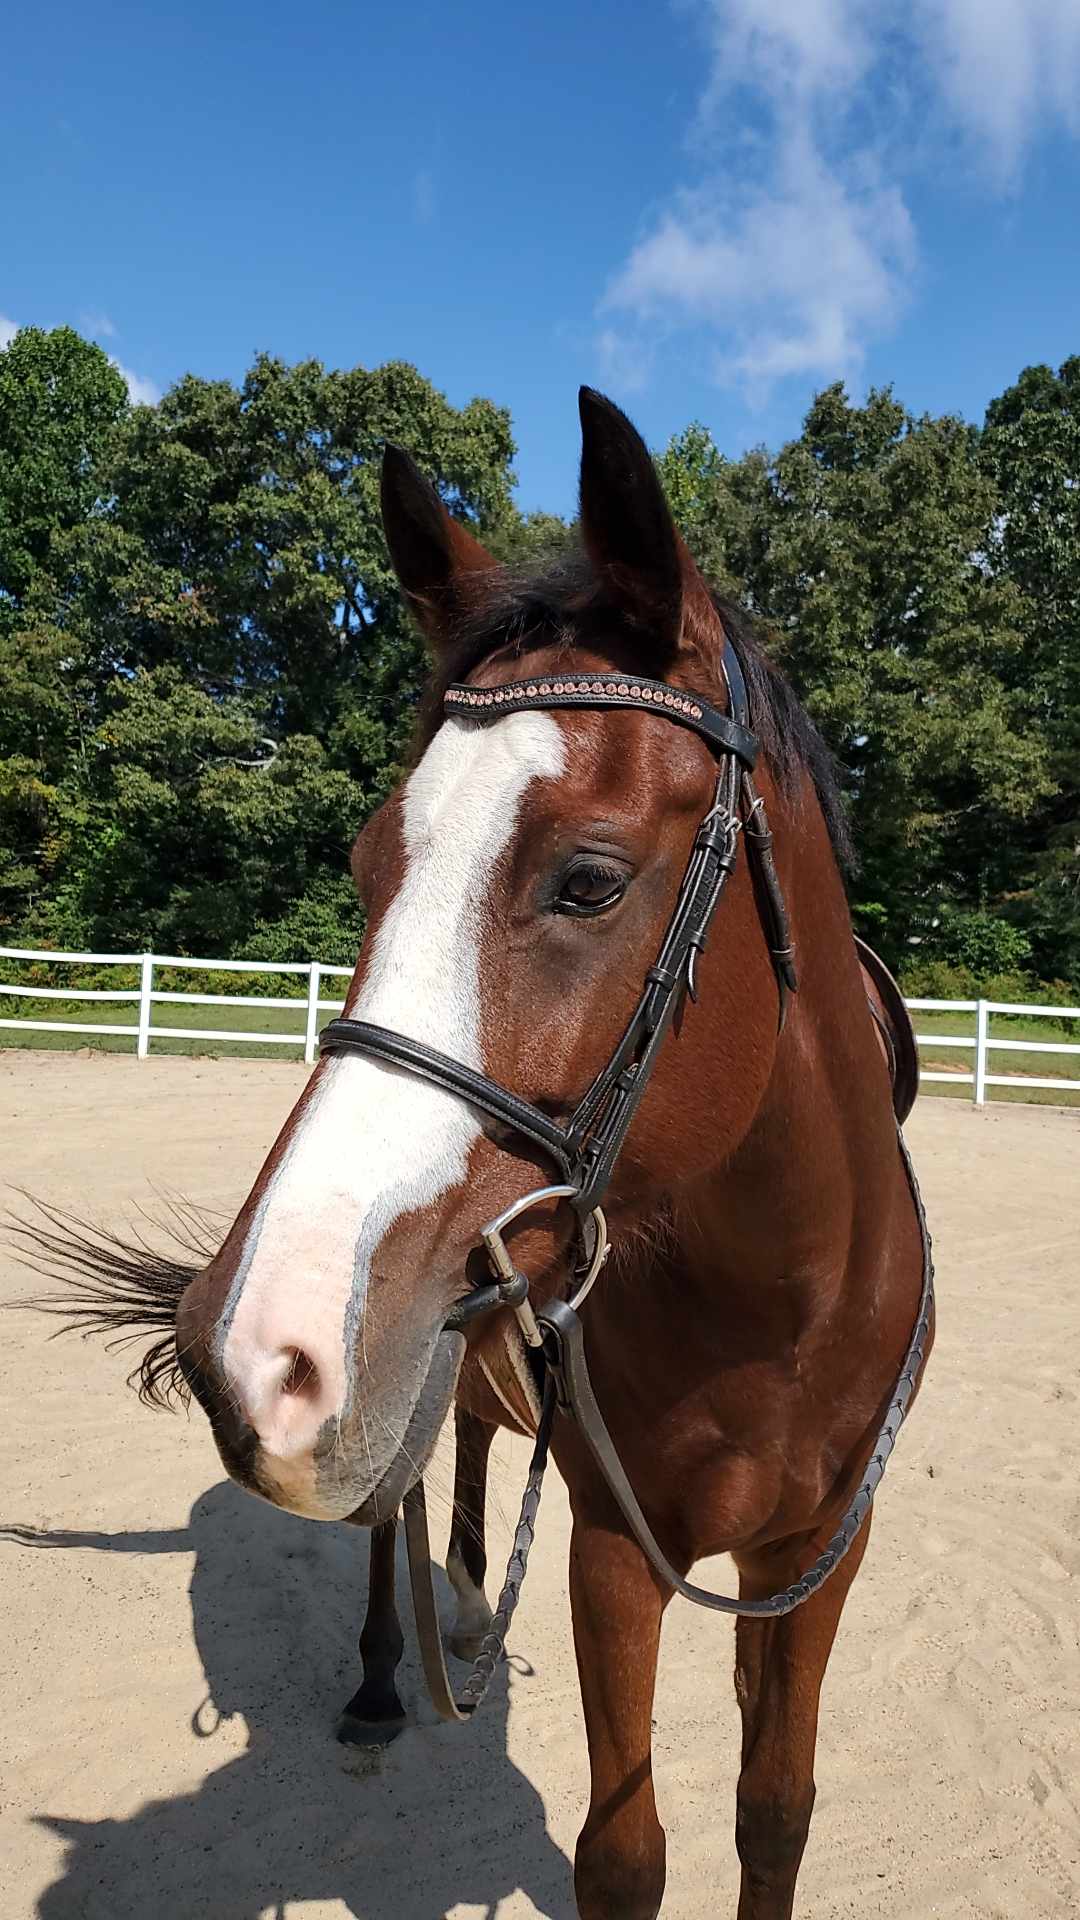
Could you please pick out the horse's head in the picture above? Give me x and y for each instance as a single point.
(517, 886)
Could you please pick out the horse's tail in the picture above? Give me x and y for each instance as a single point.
(121, 1287)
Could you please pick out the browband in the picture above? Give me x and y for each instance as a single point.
(606, 690)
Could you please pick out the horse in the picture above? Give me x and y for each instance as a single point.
(768, 1257)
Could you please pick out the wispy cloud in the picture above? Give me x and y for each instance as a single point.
(785, 277)
(97, 324)
(8, 330)
(142, 392)
(1004, 69)
(626, 358)
(794, 245)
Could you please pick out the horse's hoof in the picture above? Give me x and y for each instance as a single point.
(352, 1731)
(372, 1718)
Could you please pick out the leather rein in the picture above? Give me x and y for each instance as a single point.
(585, 1149)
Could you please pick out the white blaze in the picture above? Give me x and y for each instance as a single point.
(376, 1143)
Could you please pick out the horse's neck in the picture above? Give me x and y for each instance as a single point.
(807, 1195)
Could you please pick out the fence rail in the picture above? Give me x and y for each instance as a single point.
(146, 996)
(983, 1042)
(311, 1003)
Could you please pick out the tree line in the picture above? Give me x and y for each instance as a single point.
(207, 679)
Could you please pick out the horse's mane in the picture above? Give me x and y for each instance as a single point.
(562, 601)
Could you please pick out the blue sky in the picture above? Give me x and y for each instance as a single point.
(708, 209)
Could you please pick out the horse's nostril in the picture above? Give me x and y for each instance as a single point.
(302, 1378)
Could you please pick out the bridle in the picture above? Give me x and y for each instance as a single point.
(584, 1150)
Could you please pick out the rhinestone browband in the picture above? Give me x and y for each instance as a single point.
(599, 690)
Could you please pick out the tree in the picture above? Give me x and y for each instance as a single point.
(60, 399)
(60, 402)
(187, 833)
(864, 546)
(227, 585)
(1031, 447)
(207, 679)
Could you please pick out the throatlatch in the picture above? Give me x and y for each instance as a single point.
(585, 1150)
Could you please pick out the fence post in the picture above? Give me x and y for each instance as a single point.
(982, 1025)
(146, 987)
(312, 1028)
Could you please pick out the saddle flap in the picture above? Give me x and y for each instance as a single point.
(894, 1028)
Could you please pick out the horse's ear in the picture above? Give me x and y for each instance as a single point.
(626, 523)
(437, 561)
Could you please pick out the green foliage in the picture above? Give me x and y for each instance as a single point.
(527, 541)
(1031, 448)
(212, 682)
(59, 401)
(326, 923)
(941, 980)
(185, 836)
(207, 680)
(982, 942)
(929, 979)
(871, 548)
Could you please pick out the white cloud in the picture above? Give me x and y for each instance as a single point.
(790, 46)
(97, 324)
(1004, 68)
(789, 275)
(626, 361)
(794, 246)
(141, 392)
(8, 330)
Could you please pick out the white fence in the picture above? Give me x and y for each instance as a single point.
(148, 997)
(981, 1044)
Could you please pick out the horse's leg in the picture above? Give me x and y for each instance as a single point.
(779, 1668)
(466, 1558)
(375, 1715)
(617, 1604)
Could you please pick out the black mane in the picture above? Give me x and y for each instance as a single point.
(561, 602)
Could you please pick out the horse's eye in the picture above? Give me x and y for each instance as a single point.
(590, 886)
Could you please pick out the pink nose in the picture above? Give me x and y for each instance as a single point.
(284, 1392)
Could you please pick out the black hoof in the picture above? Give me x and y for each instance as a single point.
(354, 1732)
(371, 1722)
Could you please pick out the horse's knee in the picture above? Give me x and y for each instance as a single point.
(770, 1834)
(616, 1880)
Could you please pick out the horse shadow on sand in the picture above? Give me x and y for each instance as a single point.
(440, 1817)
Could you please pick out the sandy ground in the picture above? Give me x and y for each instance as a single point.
(175, 1653)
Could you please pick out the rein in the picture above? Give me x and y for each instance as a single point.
(585, 1150)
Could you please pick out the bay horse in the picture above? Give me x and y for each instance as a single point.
(768, 1256)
